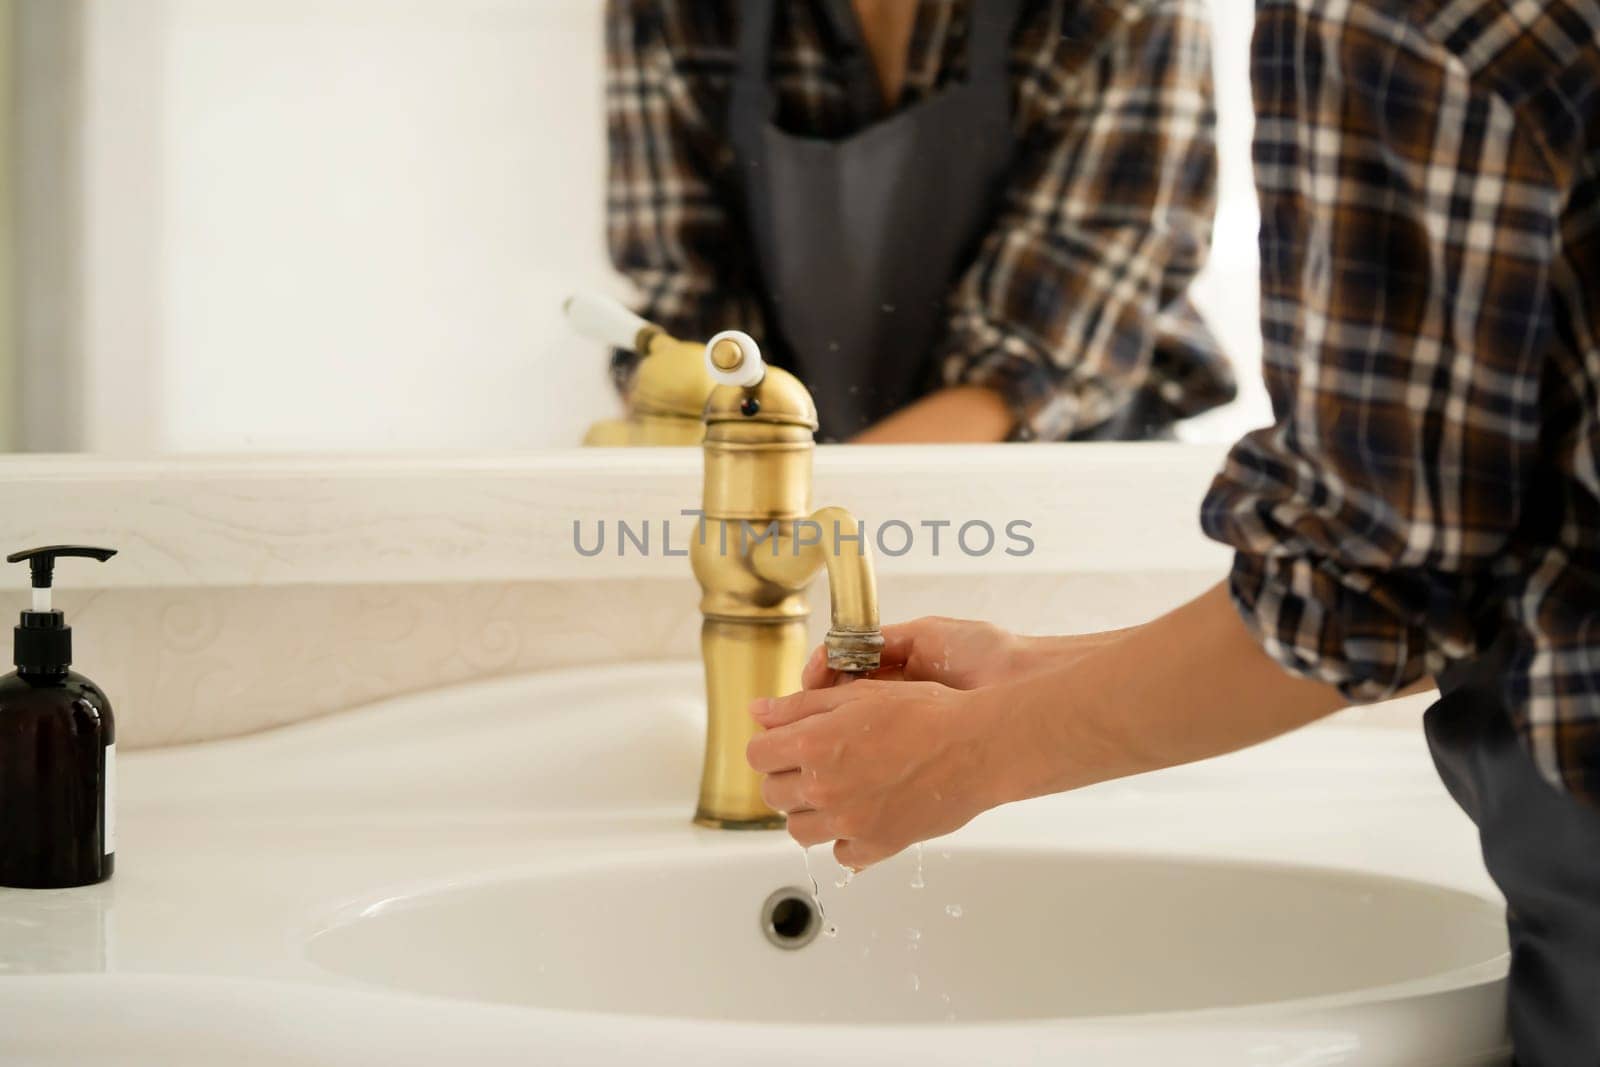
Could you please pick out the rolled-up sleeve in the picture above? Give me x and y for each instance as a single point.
(1408, 233)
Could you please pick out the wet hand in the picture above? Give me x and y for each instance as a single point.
(879, 765)
(958, 653)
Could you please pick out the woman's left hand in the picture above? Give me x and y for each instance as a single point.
(880, 765)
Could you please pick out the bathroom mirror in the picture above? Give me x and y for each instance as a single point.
(298, 225)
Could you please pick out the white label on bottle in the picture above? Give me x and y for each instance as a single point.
(109, 817)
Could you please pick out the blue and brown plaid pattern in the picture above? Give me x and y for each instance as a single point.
(1430, 197)
(1075, 300)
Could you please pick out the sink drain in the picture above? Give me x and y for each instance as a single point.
(789, 919)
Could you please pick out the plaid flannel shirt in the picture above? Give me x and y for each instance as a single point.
(1076, 299)
(1430, 192)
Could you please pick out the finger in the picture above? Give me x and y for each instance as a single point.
(858, 855)
(782, 793)
(910, 646)
(809, 828)
(781, 711)
(817, 674)
(900, 639)
(898, 643)
(773, 752)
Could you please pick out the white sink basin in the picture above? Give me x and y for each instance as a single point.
(506, 873)
(992, 935)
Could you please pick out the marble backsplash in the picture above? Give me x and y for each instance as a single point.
(186, 665)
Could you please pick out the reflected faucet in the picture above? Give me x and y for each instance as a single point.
(670, 383)
(756, 549)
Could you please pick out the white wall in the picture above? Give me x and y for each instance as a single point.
(348, 224)
(1228, 292)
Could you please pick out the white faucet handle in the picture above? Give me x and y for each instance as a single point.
(734, 358)
(600, 318)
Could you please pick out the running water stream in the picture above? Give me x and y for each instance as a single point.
(828, 929)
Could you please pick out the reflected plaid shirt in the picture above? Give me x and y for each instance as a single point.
(1076, 298)
(1430, 191)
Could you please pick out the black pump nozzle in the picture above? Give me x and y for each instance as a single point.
(42, 561)
(43, 640)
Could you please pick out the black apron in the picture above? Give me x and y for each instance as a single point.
(1543, 850)
(858, 241)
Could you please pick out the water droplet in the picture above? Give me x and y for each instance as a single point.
(917, 881)
(846, 879)
(953, 910)
(916, 983)
(830, 931)
(945, 854)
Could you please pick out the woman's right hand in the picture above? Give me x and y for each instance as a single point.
(960, 653)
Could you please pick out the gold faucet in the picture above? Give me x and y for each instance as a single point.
(670, 383)
(757, 547)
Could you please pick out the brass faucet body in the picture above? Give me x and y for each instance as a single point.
(758, 547)
(666, 399)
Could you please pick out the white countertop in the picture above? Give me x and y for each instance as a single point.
(341, 520)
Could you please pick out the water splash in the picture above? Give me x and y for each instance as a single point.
(828, 929)
(844, 882)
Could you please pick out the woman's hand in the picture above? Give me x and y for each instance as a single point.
(879, 765)
(961, 654)
(966, 717)
(912, 751)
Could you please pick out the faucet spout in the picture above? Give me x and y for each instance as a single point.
(833, 539)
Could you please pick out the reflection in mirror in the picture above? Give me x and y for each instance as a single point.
(256, 226)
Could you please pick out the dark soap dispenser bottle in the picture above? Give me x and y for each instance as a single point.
(58, 750)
